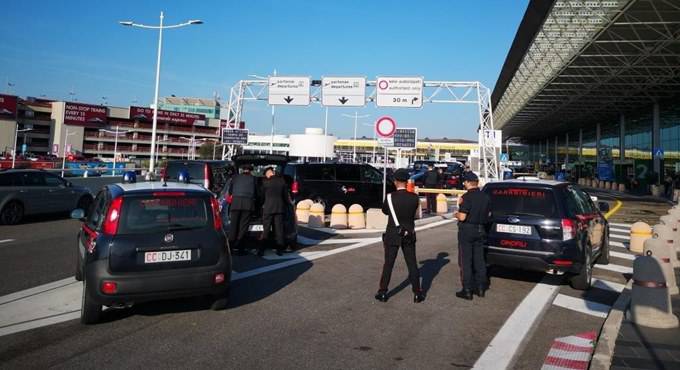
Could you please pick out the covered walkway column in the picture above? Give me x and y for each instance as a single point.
(580, 144)
(656, 140)
(622, 137)
(597, 146)
(556, 154)
(566, 146)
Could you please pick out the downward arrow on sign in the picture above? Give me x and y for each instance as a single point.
(288, 99)
(343, 100)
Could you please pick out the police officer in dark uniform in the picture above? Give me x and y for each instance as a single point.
(243, 190)
(276, 197)
(401, 234)
(473, 217)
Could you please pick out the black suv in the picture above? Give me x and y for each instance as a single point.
(547, 226)
(212, 175)
(333, 183)
(150, 241)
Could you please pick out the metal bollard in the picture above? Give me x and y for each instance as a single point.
(658, 248)
(639, 232)
(339, 217)
(302, 210)
(650, 303)
(316, 216)
(442, 204)
(355, 217)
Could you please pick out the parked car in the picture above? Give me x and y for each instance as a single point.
(260, 162)
(212, 175)
(547, 226)
(149, 241)
(28, 192)
(337, 183)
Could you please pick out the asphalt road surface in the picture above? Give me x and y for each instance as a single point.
(309, 310)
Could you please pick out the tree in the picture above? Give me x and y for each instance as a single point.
(205, 151)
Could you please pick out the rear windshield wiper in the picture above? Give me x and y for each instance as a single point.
(524, 214)
(176, 227)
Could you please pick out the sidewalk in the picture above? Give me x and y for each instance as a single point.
(639, 347)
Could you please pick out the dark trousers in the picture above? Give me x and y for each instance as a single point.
(275, 220)
(471, 259)
(431, 202)
(238, 227)
(408, 248)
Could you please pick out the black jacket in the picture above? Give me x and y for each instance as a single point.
(405, 206)
(431, 179)
(243, 190)
(275, 195)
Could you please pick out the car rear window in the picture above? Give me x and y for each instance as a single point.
(142, 214)
(319, 172)
(522, 201)
(196, 170)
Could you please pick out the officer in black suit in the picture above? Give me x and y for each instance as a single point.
(473, 218)
(431, 182)
(243, 190)
(276, 198)
(404, 206)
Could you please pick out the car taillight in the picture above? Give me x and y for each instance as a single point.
(217, 218)
(568, 229)
(110, 226)
(218, 278)
(563, 262)
(294, 187)
(109, 287)
(206, 176)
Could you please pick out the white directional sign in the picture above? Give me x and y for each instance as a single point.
(405, 92)
(343, 91)
(288, 90)
(493, 138)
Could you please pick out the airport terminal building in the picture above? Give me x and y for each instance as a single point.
(593, 87)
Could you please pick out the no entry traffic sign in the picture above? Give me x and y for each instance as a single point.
(385, 127)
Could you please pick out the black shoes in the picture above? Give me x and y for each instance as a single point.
(480, 292)
(464, 294)
(381, 296)
(418, 297)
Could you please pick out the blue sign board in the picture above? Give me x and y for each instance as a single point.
(605, 171)
(504, 157)
(658, 153)
(24, 148)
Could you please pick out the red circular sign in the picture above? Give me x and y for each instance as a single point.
(385, 126)
(383, 84)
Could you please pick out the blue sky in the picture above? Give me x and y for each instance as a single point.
(53, 47)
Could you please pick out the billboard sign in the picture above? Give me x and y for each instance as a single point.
(8, 106)
(167, 116)
(79, 114)
(405, 138)
(234, 136)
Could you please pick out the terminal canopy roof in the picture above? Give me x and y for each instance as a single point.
(574, 63)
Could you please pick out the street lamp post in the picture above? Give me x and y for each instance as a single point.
(356, 117)
(115, 145)
(16, 136)
(160, 29)
(63, 151)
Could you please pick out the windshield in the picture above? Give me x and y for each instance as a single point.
(153, 214)
(522, 202)
(195, 169)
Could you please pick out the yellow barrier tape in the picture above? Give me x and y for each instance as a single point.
(440, 191)
(640, 233)
(614, 210)
(355, 213)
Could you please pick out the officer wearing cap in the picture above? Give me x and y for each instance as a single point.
(242, 189)
(473, 217)
(400, 207)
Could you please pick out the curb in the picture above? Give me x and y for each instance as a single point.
(606, 342)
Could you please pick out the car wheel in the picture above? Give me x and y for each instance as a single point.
(603, 258)
(90, 312)
(12, 213)
(583, 279)
(84, 203)
(220, 302)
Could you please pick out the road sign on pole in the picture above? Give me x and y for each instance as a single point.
(289, 90)
(404, 92)
(343, 91)
(385, 127)
(234, 136)
(405, 138)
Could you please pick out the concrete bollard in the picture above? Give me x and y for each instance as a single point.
(639, 232)
(656, 190)
(302, 211)
(316, 216)
(667, 234)
(442, 204)
(338, 217)
(676, 195)
(419, 211)
(622, 187)
(355, 217)
(650, 303)
(673, 222)
(658, 249)
(375, 219)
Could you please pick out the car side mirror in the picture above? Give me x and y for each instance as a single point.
(78, 214)
(604, 207)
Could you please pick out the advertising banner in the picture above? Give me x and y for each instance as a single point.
(79, 114)
(8, 106)
(167, 116)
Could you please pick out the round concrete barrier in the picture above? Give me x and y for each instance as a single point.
(639, 232)
(338, 217)
(302, 210)
(442, 204)
(376, 219)
(355, 217)
(676, 195)
(656, 190)
(622, 187)
(650, 303)
(316, 216)
(658, 249)
(667, 235)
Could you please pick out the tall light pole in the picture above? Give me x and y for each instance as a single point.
(115, 144)
(160, 29)
(16, 136)
(63, 151)
(356, 117)
(325, 136)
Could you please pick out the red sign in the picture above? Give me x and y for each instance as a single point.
(78, 114)
(8, 106)
(385, 127)
(167, 116)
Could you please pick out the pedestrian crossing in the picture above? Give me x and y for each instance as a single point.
(608, 277)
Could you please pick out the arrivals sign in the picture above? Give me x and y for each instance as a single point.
(234, 136)
(8, 106)
(288, 90)
(167, 116)
(405, 138)
(405, 92)
(79, 114)
(343, 91)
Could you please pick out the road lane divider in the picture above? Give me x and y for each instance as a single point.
(607, 285)
(615, 268)
(616, 208)
(582, 305)
(6, 241)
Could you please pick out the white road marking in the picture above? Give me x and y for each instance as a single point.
(582, 305)
(626, 256)
(615, 268)
(6, 241)
(608, 285)
(618, 224)
(613, 229)
(618, 244)
(505, 347)
(620, 236)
